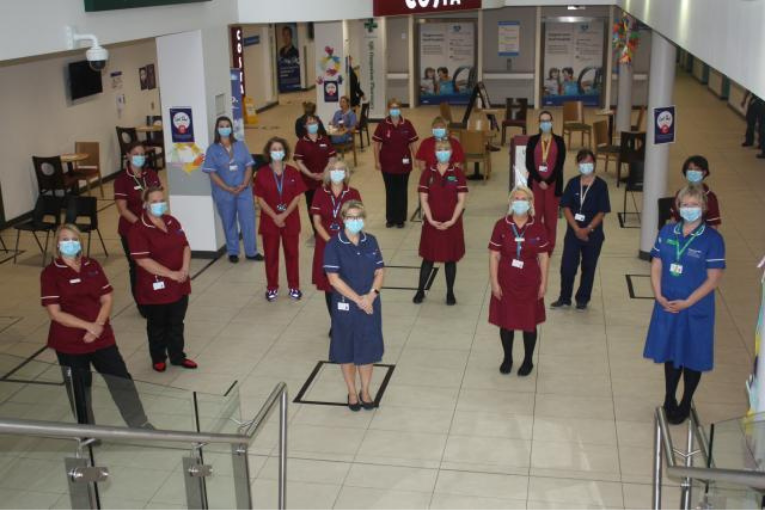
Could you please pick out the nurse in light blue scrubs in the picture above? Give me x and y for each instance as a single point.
(229, 164)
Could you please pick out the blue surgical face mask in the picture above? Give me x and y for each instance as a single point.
(443, 156)
(439, 132)
(312, 128)
(520, 207)
(138, 160)
(586, 168)
(690, 214)
(694, 176)
(546, 126)
(354, 226)
(158, 208)
(337, 176)
(277, 155)
(395, 112)
(224, 131)
(69, 249)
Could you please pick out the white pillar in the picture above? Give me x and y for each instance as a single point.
(330, 35)
(193, 72)
(414, 73)
(624, 99)
(660, 85)
(538, 72)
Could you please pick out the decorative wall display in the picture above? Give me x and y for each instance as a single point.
(396, 7)
(143, 77)
(329, 67)
(109, 5)
(151, 77)
(509, 38)
(331, 94)
(237, 108)
(665, 124)
(447, 61)
(625, 38)
(288, 58)
(573, 62)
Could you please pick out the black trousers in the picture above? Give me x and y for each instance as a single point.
(574, 252)
(109, 363)
(755, 123)
(396, 197)
(164, 327)
(309, 193)
(132, 267)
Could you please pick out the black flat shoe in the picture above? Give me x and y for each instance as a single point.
(354, 407)
(559, 304)
(233, 259)
(401, 225)
(450, 299)
(366, 405)
(419, 297)
(389, 224)
(525, 369)
(257, 257)
(506, 367)
(581, 306)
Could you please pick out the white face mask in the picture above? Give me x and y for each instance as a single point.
(337, 176)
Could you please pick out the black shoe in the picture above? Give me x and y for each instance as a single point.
(450, 299)
(747, 144)
(506, 367)
(354, 407)
(581, 306)
(366, 405)
(761, 156)
(419, 297)
(670, 409)
(526, 368)
(401, 225)
(257, 257)
(233, 259)
(389, 224)
(680, 415)
(560, 304)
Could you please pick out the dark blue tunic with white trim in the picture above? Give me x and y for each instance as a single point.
(686, 338)
(356, 336)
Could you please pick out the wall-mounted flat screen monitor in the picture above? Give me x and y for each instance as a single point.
(83, 81)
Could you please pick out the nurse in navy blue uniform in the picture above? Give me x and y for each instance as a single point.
(354, 265)
(688, 264)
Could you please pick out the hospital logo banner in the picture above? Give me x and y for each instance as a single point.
(398, 7)
(287, 57)
(573, 62)
(447, 62)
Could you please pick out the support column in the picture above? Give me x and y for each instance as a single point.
(413, 71)
(660, 86)
(374, 66)
(330, 36)
(624, 99)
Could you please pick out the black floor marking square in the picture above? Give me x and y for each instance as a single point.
(624, 223)
(318, 371)
(415, 278)
(635, 280)
(8, 255)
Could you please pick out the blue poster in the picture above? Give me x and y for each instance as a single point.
(288, 58)
(181, 125)
(447, 62)
(237, 114)
(664, 125)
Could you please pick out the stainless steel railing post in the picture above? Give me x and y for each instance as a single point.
(657, 461)
(283, 417)
(687, 484)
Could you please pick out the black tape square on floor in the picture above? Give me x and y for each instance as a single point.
(318, 369)
(629, 220)
(636, 284)
(415, 277)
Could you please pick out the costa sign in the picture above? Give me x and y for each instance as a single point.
(396, 7)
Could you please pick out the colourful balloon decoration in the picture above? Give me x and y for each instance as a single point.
(625, 38)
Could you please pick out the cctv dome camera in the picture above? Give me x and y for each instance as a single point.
(97, 57)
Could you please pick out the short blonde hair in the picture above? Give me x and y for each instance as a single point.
(692, 191)
(393, 101)
(71, 227)
(353, 204)
(444, 144)
(337, 165)
(529, 195)
(439, 121)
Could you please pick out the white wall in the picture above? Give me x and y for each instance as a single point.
(38, 119)
(286, 11)
(259, 66)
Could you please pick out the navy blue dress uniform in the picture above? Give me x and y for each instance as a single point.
(687, 338)
(356, 336)
(584, 202)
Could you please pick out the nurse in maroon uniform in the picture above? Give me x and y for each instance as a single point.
(313, 154)
(518, 262)
(325, 213)
(278, 188)
(159, 247)
(442, 194)
(78, 298)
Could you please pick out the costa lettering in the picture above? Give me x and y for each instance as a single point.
(397, 7)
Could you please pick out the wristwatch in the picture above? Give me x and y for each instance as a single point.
(376, 291)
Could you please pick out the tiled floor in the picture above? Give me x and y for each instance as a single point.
(451, 432)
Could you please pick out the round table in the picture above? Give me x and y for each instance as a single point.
(74, 157)
(148, 129)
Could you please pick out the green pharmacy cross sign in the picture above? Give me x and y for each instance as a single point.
(110, 5)
(370, 25)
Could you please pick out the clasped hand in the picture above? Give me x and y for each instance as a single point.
(366, 303)
(675, 306)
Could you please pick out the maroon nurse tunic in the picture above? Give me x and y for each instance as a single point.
(443, 190)
(520, 308)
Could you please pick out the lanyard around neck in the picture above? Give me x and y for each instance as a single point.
(279, 182)
(679, 251)
(519, 238)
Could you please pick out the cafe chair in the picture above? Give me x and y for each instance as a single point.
(638, 126)
(604, 149)
(156, 139)
(128, 135)
(363, 125)
(517, 119)
(51, 177)
(85, 207)
(573, 121)
(349, 146)
(90, 169)
(634, 185)
(631, 149)
(446, 114)
(474, 146)
(665, 210)
(260, 162)
(45, 207)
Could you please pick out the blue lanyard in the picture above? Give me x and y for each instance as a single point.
(518, 244)
(336, 208)
(279, 183)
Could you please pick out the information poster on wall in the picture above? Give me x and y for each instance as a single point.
(573, 62)
(181, 125)
(288, 58)
(237, 113)
(664, 125)
(447, 62)
(509, 38)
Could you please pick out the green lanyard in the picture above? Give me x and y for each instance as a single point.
(679, 251)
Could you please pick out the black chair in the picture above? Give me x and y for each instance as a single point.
(363, 125)
(46, 206)
(156, 139)
(631, 149)
(51, 177)
(634, 185)
(665, 210)
(85, 207)
(128, 135)
(260, 162)
(517, 119)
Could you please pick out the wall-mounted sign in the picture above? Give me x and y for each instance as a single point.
(509, 38)
(396, 7)
(109, 5)
(237, 55)
(181, 125)
(288, 58)
(252, 40)
(664, 125)
(447, 61)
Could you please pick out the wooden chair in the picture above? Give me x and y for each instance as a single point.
(156, 139)
(51, 177)
(603, 147)
(638, 126)
(631, 149)
(363, 125)
(515, 120)
(474, 146)
(349, 146)
(446, 114)
(90, 169)
(573, 121)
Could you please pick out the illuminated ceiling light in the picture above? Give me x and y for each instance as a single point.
(576, 7)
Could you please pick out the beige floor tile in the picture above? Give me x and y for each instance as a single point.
(453, 501)
(564, 492)
(390, 477)
(495, 486)
(575, 459)
(357, 497)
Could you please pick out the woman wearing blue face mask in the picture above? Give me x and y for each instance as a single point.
(78, 298)
(314, 153)
(426, 152)
(585, 203)
(545, 157)
(688, 263)
(519, 257)
(229, 164)
(159, 247)
(354, 265)
(695, 171)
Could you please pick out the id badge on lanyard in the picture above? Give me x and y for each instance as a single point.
(281, 207)
(520, 237)
(676, 268)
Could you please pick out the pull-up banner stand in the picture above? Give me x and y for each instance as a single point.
(398, 7)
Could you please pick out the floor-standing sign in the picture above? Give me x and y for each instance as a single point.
(288, 57)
